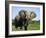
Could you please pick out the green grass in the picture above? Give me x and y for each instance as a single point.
(35, 25)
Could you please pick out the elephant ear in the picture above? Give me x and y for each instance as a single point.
(22, 11)
(17, 17)
(33, 15)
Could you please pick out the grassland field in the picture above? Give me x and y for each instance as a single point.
(35, 25)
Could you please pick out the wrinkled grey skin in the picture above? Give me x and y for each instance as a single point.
(29, 16)
(26, 17)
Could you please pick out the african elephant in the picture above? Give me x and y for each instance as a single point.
(29, 16)
(24, 18)
(20, 19)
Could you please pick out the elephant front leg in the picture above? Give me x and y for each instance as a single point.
(25, 27)
(25, 24)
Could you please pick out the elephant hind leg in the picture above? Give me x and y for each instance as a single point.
(20, 28)
(16, 27)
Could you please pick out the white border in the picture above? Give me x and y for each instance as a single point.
(25, 32)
